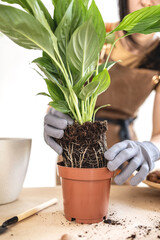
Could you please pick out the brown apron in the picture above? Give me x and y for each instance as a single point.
(128, 90)
(130, 87)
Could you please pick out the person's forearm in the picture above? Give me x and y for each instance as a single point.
(155, 139)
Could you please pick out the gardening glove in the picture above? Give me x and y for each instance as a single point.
(140, 157)
(54, 124)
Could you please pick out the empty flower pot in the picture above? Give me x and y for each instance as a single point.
(85, 193)
(14, 158)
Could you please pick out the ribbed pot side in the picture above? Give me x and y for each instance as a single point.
(85, 193)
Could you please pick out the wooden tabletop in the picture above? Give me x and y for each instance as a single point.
(135, 210)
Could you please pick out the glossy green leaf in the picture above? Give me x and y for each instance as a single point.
(30, 6)
(85, 2)
(63, 31)
(22, 3)
(43, 94)
(60, 9)
(41, 14)
(78, 14)
(25, 30)
(47, 64)
(97, 20)
(104, 81)
(54, 80)
(88, 90)
(60, 106)
(73, 18)
(78, 86)
(54, 91)
(141, 21)
(108, 67)
(43, 68)
(155, 27)
(82, 51)
(54, 2)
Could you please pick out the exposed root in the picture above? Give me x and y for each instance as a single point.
(82, 157)
(84, 145)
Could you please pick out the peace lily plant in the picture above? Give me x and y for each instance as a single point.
(71, 42)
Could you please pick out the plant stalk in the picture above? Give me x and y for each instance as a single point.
(112, 49)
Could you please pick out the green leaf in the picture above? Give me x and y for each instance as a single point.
(41, 14)
(63, 31)
(30, 6)
(108, 67)
(25, 30)
(61, 106)
(47, 64)
(55, 81)
(88, 90)
(155, 27)
(60, 9)
(104, 81)
(54, 2)
(82, 51)
(78, 86)
(85, 2)
(43, 68)
(54, 91)
(145, 20)
(43, 94)
(78, 14)
(98, 23)
(72, 19)
(22, 3)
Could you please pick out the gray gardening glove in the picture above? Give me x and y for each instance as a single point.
(140, 157)
(54, 124)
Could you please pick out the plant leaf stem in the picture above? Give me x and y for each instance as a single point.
(72, 93)
(112, 48)
(97, 65)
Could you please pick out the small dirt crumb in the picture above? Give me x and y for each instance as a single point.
(133, 236)
(112, 222)
(158, 226)
(111, 214)
(12, 234)
(158, 236)
(68, 237)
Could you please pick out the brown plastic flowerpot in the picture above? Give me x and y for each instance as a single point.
(85, 193)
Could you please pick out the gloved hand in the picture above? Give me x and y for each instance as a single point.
(54, 124)
(140, 157)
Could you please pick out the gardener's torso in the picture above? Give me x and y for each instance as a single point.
(130, 86)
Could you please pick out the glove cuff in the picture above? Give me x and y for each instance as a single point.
(151, 153)
(152, 150)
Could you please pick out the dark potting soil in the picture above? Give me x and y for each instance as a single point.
(112, 222)
(84, 145)
(133, 236)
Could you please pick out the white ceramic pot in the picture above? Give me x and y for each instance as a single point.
(14, 159)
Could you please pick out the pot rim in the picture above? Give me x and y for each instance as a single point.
(84, 174)
(14, 139)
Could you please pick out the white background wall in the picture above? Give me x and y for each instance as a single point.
(22, 112)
